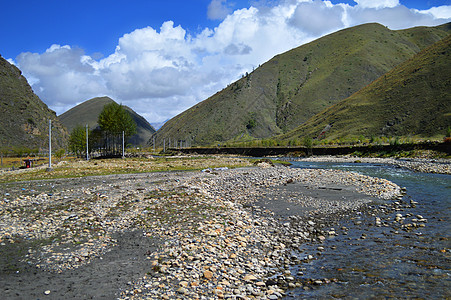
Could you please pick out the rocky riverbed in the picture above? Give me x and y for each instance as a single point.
(194, 235)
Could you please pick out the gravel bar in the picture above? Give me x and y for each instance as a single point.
(216, 234)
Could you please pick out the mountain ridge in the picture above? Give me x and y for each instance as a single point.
(413, 99)
(293, 86)
(24, 117)
(88, 112)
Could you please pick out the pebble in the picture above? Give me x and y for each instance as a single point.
(214, 245)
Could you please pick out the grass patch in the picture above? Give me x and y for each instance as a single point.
(71, 169)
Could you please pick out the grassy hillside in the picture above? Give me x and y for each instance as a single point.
(24, 118)
(84, 113)
(89, 111)
(414, 99)
(292, 87)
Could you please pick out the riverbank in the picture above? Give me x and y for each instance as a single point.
(438, 149)
(218, 233)
(425, 165)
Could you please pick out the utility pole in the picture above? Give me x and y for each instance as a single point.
(87, 151)
(164, 145)
(50, 146)
(154, 143)
(123, 144)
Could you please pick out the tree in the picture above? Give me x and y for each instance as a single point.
(77, 140)
(308, 143)
(113, 120)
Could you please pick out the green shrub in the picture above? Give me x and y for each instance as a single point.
(60, 153)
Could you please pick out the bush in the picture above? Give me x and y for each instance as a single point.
(307, 142)
(251, 124)
(60, 153)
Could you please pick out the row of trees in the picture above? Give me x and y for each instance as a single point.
(114, 121)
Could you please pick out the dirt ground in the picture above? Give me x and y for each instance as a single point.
(103, 278)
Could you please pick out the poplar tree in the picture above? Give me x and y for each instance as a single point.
(77, 140)
(113, 120)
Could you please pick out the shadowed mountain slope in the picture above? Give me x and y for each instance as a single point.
(294, 86)
(414, 99)
(88, 113)
(24, 118)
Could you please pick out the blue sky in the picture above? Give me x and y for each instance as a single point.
(94, 25)
(162, 56)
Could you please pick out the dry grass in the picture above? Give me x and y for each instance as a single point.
(82, 168)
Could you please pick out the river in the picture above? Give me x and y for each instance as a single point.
(379, 262)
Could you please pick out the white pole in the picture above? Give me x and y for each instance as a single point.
(50, 144)
(87, 151)
(123, 144)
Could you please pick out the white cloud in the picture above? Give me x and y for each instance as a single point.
(318, 17)
(160, 73)
(441, 12)
(218, 10)
(377, 3)
(399, 17)
(60, 76)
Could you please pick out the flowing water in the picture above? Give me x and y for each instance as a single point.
(380, 262)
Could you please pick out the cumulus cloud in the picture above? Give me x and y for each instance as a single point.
(441, 12)
(377, 3)
(398, 17)
(61, 76)
(240, 49)
(218, 10)
(161, 72)
(317, 17)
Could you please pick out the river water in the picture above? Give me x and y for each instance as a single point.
(380, 262)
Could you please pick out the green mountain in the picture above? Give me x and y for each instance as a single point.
(413, 99)
(88, 112)
(24, 118)
(294, 86)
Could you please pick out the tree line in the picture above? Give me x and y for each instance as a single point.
(106, 139)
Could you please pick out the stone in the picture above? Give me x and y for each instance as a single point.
(208, 274)
(249, 277)
(196, 251)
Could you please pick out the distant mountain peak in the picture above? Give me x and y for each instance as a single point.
(412, 100)
(289, 89)
(88, 113)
